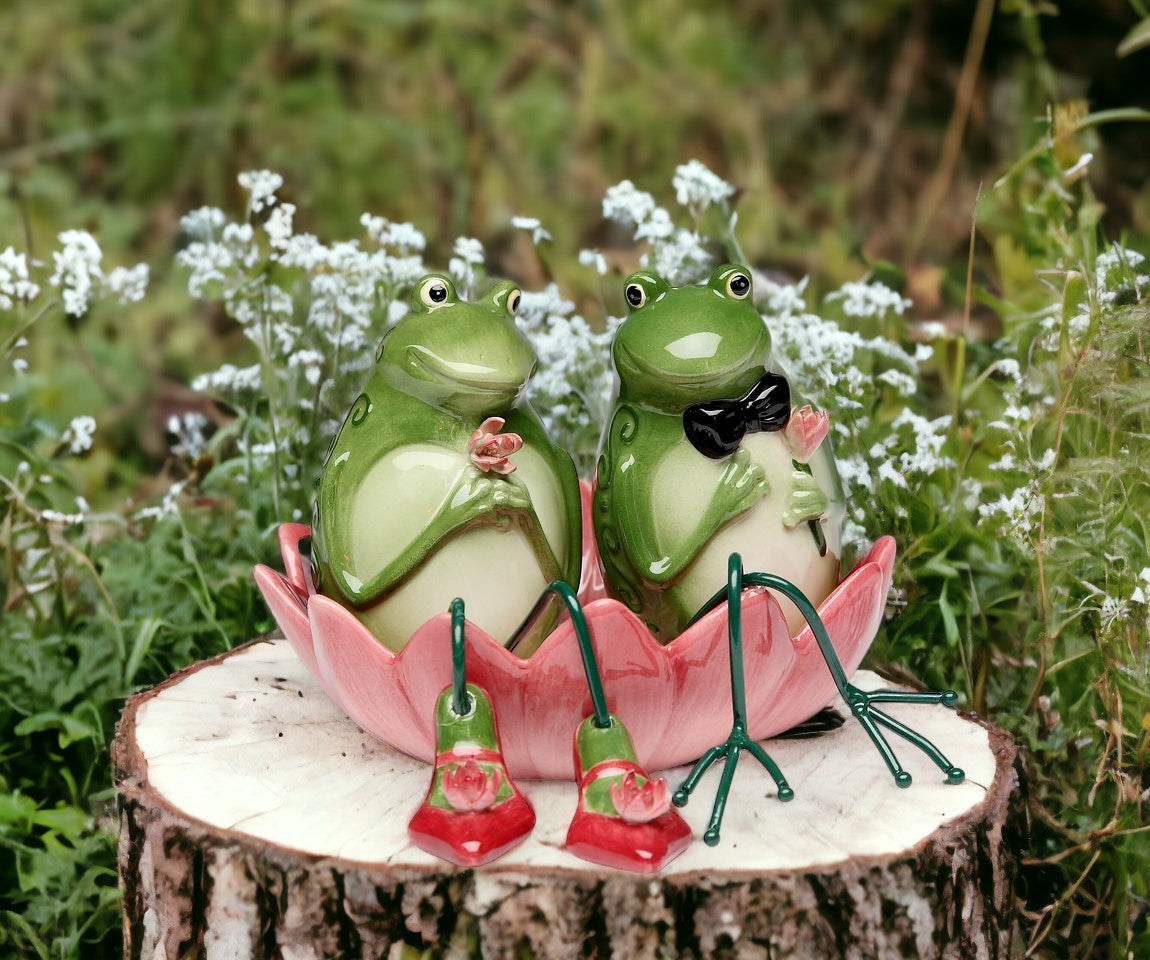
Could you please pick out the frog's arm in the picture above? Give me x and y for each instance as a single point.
(470, 497)
(477, 499)
(525, 422)
(741, 485)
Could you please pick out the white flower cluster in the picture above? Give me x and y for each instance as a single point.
(678, 254)
(80, 276)
(16, 285)
(573, 388)
(697, 187)
(862, 298)
(1017, 513)
(79, 434)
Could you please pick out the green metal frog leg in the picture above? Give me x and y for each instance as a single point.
(739, 739)
(860, 702)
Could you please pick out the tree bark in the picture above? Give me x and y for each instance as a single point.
(258, 821)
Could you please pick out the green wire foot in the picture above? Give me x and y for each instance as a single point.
(736, 743)
(862, 706)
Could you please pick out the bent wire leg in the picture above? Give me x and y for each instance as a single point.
(738, 739)
(860, 702)
(711, 834)
(683, 794)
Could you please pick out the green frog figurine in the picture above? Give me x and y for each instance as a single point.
(442, 482)
(704, 456)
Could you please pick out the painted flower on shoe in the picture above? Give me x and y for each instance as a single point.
(640, 804)
(805, 431)
(490, 449)
(469, 788)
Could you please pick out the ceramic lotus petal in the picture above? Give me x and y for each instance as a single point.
(469, 789)
(640, 804)
(490, 449)
(675, 699)
(806, 429)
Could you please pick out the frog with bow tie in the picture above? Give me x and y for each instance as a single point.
(704, 455)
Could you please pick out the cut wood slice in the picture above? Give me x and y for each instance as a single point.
(258, 821)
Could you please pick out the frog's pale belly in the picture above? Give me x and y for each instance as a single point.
(683, 483)
(493, 568)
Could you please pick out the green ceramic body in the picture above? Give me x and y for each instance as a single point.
(666, 516)
(404, 518)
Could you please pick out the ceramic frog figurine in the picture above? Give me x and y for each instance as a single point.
(442, 482)
(704, 457)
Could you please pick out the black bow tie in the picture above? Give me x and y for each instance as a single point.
(717, 427)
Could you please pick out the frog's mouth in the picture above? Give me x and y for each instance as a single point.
(471, 376)
(709, 379)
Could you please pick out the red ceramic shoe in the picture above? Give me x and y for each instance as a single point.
(624, 818)
(473, 812)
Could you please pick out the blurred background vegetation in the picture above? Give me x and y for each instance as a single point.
(860, 134)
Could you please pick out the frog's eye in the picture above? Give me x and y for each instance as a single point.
(513, 300)
(636, 295)
(739, 285)
(434, 292)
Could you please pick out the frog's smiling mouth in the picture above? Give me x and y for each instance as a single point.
(473, 376)
(707, 379)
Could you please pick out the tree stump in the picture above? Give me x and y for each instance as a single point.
(258, 821)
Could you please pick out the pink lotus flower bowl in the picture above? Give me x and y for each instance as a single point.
(674, 699)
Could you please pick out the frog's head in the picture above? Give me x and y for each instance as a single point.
(465, 356)
(681, 345)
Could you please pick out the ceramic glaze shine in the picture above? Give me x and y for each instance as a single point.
(681, 487)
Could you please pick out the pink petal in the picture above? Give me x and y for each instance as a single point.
(591, 586)
(295, 567)
(290, 612)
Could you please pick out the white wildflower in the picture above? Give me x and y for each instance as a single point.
(168, 506)
(278, 225)
(593, 258)
(538, 234)
(868, 299)
(79, 434)
(469, 250)
(188, 430)
(626, 204)
(697, 187)
(229, 378)
(204, 223)
(261, 186)
(15, 285)
(656, 227)
(77, 270)
(128, 284)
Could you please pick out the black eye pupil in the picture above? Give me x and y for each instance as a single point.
(438, 293)
(515, 303)
(635, 295)
(740, 284)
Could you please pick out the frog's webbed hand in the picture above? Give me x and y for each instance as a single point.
(742, 484)
(859, 701)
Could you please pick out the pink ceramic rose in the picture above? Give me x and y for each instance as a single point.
(490, 449)
(805, 431)
(469, 788)
(640, 804)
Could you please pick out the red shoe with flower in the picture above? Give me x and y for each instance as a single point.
(624, 818)
(473, 812)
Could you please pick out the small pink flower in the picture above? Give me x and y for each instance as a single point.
(805, 431)
(490, 449)
(468, 788)
(636, 804)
